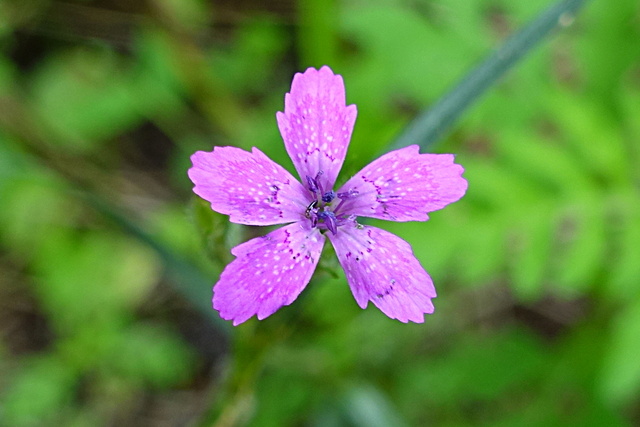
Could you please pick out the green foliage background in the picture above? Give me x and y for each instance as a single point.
(107, 259)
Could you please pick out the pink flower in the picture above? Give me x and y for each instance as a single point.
(271, 271)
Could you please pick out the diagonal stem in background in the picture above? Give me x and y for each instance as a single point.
(436, 121)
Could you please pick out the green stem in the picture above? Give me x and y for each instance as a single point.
(433, 123)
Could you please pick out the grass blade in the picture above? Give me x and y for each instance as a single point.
(433, 123)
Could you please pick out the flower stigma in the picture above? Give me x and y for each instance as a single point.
(324, 211)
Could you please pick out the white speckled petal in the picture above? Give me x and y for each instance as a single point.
(380, 267)
(268, 273)
(316, 124)
(249, 187)
(403, 185)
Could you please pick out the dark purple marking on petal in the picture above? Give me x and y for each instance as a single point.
(269, 272)
(404, 185)
(380, 267)
(348, 194)
(316, 125)
(248, 186)
(329, 220)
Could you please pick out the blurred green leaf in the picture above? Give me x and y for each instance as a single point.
(630, 121)
(592, 136)
(39, 392)
(621, 370)
(143, 353)
(87, 344)
(26, 224)
(188, 278)
(483, 251)
(317, 37)
(497, 188)
(607, 48)
(214, 231)
(246, 66)
(530, 259)
(369, 407)
(283, 399)
(432, 123)
(84, 95)
(548, 166)
(583, 251)
(190, 15)
(7, 75)
(92, 278)
(624, 265)
(155, 82)
(469, 376)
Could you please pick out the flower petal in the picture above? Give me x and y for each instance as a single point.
(268, 273)
(249, 187)
(403, 185)
(380, 267)
(316, 124)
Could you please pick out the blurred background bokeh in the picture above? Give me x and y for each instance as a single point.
(107, 258)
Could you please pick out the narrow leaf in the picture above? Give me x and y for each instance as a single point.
(188, 279)
(368, 406)
(437, 120)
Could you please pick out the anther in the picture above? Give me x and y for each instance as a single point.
(328, 196)
(329, 219)
(312, 184)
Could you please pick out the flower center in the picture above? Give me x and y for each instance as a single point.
(324, 210)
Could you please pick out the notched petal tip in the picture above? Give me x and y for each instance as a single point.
(319, 83)
(249, 187)
(404, 185)
(269, 272)
(381, 268)
(316, 124)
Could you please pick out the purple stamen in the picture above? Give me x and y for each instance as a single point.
(329, 219)
(317, 180)
(348, 194)
(328, 196)
(312, 184)
(319, 211)
(344, 196)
